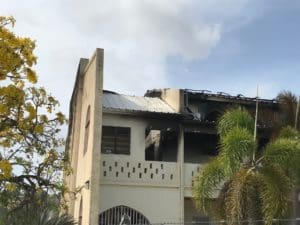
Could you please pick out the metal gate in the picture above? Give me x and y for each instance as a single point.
(122, 215)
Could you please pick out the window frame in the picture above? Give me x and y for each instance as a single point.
(117, 133)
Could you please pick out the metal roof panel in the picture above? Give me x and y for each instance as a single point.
(135, 103)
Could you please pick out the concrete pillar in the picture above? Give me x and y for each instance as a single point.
(97, 131)
(181, 172)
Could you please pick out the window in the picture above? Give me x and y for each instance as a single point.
(115, 140)
(200, 147)
(161, 145)
(87, 129)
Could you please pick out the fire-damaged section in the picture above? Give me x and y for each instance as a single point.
(201, 110)
(161, 145)
(199, 147)
(206, 107)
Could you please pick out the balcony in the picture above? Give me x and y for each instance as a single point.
(120, 171)
(116, 170)
(190, 171)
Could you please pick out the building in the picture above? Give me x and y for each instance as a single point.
(137, 156)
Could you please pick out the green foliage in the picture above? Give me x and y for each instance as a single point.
(235, 118)
(251, 186)
(274, 190)
(236, 144)
(31, 156)
(285, 153)
(241, 197)
(41, 212)
(206, 183)
(289, 132)
(287, 106)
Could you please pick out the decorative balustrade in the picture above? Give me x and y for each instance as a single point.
(190, 171)
(118, 170)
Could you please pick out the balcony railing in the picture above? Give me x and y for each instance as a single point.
(152, 173)
(119, 170)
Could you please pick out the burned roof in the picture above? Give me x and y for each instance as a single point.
(222, 96)
(126, 103)
(206, 95)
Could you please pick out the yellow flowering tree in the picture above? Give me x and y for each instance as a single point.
(31, 155)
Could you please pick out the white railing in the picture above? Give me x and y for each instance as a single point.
(122, 170)
(190, 171)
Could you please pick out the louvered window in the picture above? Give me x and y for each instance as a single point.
(115, 140)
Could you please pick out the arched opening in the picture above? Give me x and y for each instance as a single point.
(80, 213)
(121, 215)
(87, 129)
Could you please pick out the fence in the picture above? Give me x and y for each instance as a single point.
(295, 221)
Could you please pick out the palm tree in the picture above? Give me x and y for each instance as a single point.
(288, 108)
(252, 184)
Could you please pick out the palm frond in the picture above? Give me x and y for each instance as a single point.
(48, 219)
(290, 133)
(259, 189)
(236, 145)
(242, 200)
(235, 118)
(284, 152)
(287, 103)
(39, 213)
(275, 193)
(207, 182)
(233, 200)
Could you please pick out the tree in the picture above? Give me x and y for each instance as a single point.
(253, 184)
(288, 108)
(31, 156)
(44, 212)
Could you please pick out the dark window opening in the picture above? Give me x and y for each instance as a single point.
(262, 142)
(213, 116)
(161, 145)
(115, 140)
(200, 147)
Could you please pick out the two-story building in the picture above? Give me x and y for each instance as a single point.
(135, 156)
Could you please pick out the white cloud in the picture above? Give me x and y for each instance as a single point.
(138, 36)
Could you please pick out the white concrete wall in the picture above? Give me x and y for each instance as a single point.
(190, 212)
(88, 164)
(151, 188)
(174, 98)
(115, 170)
(156, 204)
(142, 185)
(137, 140)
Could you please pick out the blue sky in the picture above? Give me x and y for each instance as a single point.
(265, 51)
(218, 45)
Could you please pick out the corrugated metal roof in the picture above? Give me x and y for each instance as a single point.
(135, 103)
